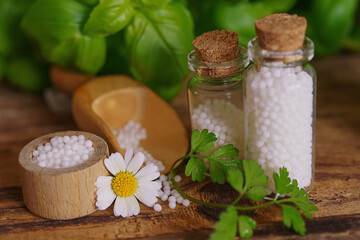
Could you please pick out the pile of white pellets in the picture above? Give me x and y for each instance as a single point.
(279, 117)
(222, 118)
(63, 152)
(130, 135)
(170, 195)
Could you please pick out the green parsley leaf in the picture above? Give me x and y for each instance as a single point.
(257, 193)
(196, 168)
(202, 142)
(301, 199)
(217, 174)
(236, 179)
(225, 228)
(282, 181)
(246, 226)
(221, 161)
(292, 217)
(254, 174)
(298, 196)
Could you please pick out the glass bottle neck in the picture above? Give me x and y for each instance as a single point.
(263, 57)
(221, 71)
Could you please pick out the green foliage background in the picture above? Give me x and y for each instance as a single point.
(148, 39)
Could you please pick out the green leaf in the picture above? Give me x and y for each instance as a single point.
(221, 161)
(196, 168)
(217, 174)
(254, 174)
(301, 199)
(225, 152)
(2, 68)
(225, 228)
(240, 17)
(236, 179)
(202, 142)
(279, 5)
(246, 226)
(90, 2)
(155, 2)
(282, 181)
(332, 22)
(292, 218)
(56, 26)
(157, 42)
(109, 17)
(257, 193)
(27, 73)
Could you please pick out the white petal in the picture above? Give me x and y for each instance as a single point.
(103, 181)
(135, 164)
(149, 172)
(120, 208)
(132, 206)
(128, 156)
(152, 186)
(115, 163)
(105, 199)
(146, 197)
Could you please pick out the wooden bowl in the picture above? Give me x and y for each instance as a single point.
(107, 103)
(62, 193)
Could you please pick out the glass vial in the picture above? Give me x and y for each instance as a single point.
(280, 112)
(215, 96)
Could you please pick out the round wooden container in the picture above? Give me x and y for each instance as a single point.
(63, 193)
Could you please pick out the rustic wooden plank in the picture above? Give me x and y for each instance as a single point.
(24, 116)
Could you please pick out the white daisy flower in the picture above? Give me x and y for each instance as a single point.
(128, 184)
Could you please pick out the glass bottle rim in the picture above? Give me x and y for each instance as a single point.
(298, 56)
(195, 64)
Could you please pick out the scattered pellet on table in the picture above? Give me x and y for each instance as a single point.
(172, 205)
(157, 207)
(177, 178)
(172, 199)
(186, 202)
(63, 152)
(179, 199)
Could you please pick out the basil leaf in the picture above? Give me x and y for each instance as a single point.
(157, 42)
(240, 18)
(109, 17)
(56, 26)
(332, 22)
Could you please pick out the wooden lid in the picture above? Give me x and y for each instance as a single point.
(217, 46)
(281, 32)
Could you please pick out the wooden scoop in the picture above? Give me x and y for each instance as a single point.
(107, 103)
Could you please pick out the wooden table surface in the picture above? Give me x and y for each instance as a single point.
(24, 116)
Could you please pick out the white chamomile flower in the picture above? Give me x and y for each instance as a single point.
(128, 184)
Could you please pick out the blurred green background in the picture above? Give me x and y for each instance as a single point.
(148, 39)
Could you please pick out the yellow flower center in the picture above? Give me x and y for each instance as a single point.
(124, 184)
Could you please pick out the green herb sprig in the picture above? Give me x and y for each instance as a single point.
(248, 179)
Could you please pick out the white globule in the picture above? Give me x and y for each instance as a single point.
(279, 117)
(222, 118)
(130, 135)
(63, 152)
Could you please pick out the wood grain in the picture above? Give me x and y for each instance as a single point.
(24, 117)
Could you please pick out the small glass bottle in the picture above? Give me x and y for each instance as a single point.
(215, 96)
(280, 111)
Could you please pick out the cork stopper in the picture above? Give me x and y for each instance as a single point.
(281, 32)
(217, 47)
